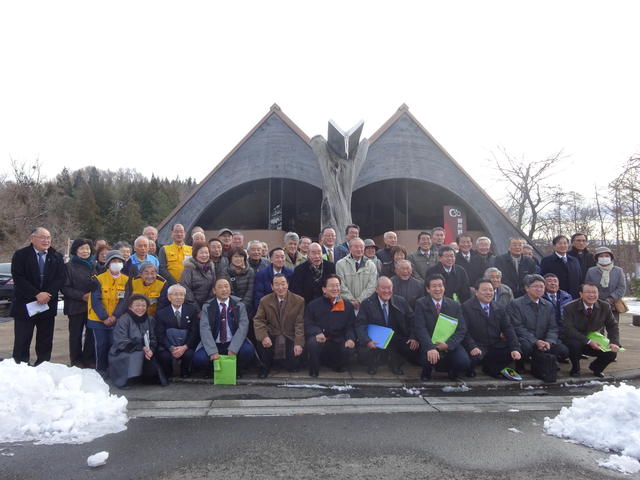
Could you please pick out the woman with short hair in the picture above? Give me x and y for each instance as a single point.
(198, 276)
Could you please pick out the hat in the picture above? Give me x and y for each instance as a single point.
(369, 243)
(225, 230)
(113, 254)
(601, 250)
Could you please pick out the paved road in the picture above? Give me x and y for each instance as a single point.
(406, 445)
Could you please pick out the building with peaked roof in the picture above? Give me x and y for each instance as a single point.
(270, 183)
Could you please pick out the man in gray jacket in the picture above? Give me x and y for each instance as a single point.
(534, 320)
(358, 275)
(223, 329)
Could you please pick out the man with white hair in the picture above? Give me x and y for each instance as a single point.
(390, 241)
(483, 249)
(405, 285)
(141, 254)
(177, 331)
(292, 257)
(256, 260)
(309, 277)
(151, 233)
(357, 274)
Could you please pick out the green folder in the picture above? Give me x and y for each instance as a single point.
(444, 329)
(224, 370)
(601, 340)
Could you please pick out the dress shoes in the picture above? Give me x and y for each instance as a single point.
(396, 369)
(574, 373)
(263, 374)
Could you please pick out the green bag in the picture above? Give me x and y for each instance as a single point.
(224, 370)
(444, 329)
(601, 340)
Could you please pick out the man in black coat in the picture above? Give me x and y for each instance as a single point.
(467, 258)
(456, 278)
(565, 267)
(388, 310)
(177, 331)
(329, 328)
(405, 284)
(38, 273)
(309, 277)
(490, 340)
(449, 356)
(579, 250)
(583, 316)
(515, 266)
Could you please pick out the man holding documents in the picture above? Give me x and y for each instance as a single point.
(38, 273)
(584, 318)
(440, 329)
(490, 340)
(384, 309)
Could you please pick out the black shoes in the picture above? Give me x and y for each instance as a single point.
(372, 370)
(396, 369)
(574, 373)
(313, 373)
(425, 375)
(263, 374)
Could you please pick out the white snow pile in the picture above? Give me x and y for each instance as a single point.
(514, 430)
(621, 463)
(461, 388)
(53, 403)
(339, 388)
(98, 459)
(608, 420)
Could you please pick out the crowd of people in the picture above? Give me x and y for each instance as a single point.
(155, 311)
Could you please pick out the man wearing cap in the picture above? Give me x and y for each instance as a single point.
(38, 273)
(370, 249)
(172, 256)
(225, 236)
(106, 303)
(586, 315)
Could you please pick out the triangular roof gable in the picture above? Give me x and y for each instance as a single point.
(274, 110)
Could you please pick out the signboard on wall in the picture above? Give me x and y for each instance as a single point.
(455, 222)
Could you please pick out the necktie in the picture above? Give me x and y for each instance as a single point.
(437, 308)
(223, 324)
(330, 254)
(486, 309)
(589, 311)
(554, 298)
(177, 314)
(41, 265)
(385, 312)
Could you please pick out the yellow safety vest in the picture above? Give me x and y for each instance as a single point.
(175, 259)
(113, 290)
(152, 292)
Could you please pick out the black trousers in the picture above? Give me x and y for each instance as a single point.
(166, 362)
(577, 348)
(559, 349)
(395, 354)
(492, 359)
(23, 326)
(79, 353)
(332, 353)
(291, 362)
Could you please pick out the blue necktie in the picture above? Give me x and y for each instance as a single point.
(41, 265)
(486, 310)
(385, 312)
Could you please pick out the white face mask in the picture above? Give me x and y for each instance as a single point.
(604, 260)
(115, 267)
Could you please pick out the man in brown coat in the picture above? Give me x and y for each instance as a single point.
(583, 316)
(279, 326)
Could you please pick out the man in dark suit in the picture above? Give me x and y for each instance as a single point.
(279, 327)
(264, 277)
(330, 251)
(38, 273)
(515, 266)
(224, 325)
(490, 340)
(534, 321)
(449, 356)
(329, 323)
(469, 259)
(177, 332)
(308, 277)
(579, 250)
(456, 279)
(388, 310)
(583, 316)
(565, 267)
(558, 298)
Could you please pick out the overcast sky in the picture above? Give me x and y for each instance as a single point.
(172, 87)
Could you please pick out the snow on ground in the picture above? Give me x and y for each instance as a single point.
(53, 403)
(634, 305)
(621, 463)
(339, 388)
(607, 420)
(461, 388)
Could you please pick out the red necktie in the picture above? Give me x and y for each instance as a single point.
(437, 308)
(589, 311)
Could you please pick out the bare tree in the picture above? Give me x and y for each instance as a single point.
(528, 190)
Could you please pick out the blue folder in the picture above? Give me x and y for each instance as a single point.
(381, 335)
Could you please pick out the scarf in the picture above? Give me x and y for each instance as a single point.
(138, 319)
(337, 304)
(605, 269)
(87, 262)
(316, 272)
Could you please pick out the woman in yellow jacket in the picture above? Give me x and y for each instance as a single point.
(106, 304)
